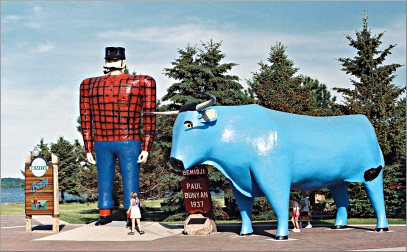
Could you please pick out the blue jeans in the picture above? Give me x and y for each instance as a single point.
(127, 153)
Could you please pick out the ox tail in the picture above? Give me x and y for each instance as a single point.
(372, 173)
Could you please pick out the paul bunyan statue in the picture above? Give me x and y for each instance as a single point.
(110, 113)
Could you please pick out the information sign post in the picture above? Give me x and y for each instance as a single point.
(41, 189)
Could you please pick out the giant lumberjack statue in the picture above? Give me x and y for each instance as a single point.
(110, 111)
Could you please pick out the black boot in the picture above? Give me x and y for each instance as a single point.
(103, 220)
(128, 223)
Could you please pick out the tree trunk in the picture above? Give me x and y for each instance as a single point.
(63, 196)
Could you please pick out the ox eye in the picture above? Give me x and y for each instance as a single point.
(188, 124)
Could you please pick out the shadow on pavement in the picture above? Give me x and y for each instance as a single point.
(41, 227)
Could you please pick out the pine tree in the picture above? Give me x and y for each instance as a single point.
(214, 78)
(276, 86)
(199, 70)
(323, 102)
(87, 173)
(375, 96)
(185, 70)
(68, 178)
(45, 151)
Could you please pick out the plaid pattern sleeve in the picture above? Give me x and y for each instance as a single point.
(85, 115)
(149, 120)
(111, 106)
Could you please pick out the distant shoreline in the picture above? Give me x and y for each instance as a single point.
(10, 183)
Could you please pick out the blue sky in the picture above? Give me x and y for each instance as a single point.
(48, 48)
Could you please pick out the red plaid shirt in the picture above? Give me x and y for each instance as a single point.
(110, 108)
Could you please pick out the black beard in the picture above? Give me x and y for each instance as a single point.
(110, 69)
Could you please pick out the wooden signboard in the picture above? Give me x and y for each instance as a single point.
(41, 189)
(195, 190)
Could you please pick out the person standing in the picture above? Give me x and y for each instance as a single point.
(305, 210)
(111, 109)
(134, 212)
(295, 215)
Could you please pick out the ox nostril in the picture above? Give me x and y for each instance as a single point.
(176, 164)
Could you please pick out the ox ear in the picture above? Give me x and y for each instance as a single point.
(209, 115)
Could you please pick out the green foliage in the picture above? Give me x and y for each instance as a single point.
(276, 86)
(156, 176)
(174, 203)
(262, 209)
(197, 69)
(359, 205)
(375, 96)
(12, 183)
(323, 103)
(395, 190)
(218, 211)
(45, 151)
(68, 178)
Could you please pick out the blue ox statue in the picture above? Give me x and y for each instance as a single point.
(265, 152)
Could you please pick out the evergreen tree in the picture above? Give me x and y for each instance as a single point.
(88, 183)
(199, 70)
(375, 96)
(68, 178)
(276, 86)
(214, 79)
(323, 102)
(185, 70)
(45, 151)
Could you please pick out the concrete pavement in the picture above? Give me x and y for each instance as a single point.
(115, 231)
(113, 237)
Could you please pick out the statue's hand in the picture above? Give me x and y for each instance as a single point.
(90, 158)
(143, 157)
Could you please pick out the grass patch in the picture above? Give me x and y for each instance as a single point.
(12, 209)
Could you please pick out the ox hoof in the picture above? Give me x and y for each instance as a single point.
(381, 229)
(339, 227)
(246, 234)
(278, 237)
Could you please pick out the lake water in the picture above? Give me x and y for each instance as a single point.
(16, 195)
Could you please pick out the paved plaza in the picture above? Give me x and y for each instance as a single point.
(113, 237)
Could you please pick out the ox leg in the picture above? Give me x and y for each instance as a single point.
(374, 190)
(279, 197)
(276, 187)
(341, 198)
(245, 205)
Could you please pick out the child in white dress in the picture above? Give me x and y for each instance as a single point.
(135, 214)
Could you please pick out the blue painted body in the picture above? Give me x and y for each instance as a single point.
(266, 153)
(127, 152)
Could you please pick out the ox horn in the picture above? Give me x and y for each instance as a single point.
(206, 104)
(198, 107)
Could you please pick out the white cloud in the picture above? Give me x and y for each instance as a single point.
(31, 20)
(32, 24)
(12, 18)
(28, 116)
(42, 48)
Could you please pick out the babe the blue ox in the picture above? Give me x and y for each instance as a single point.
(265, 152)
